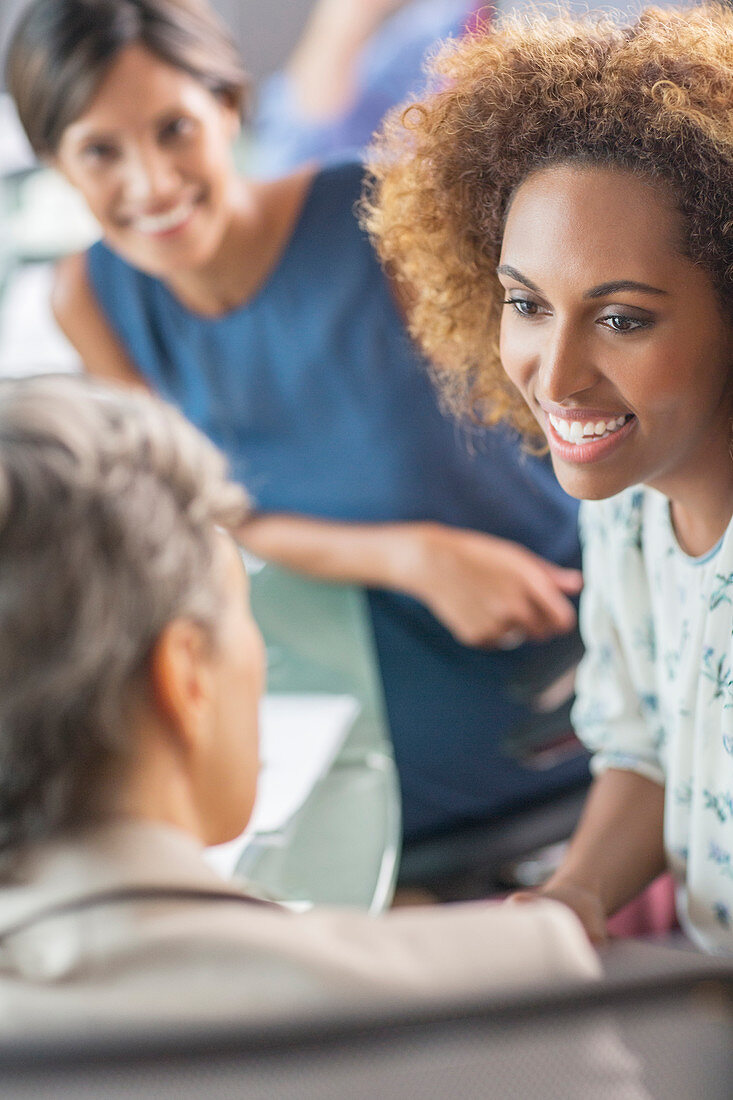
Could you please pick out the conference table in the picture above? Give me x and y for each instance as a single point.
(342, 847)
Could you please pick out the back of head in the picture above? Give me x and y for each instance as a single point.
(108, 506)
(62, 49)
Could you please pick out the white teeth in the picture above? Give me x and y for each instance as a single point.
(163, 223)
(574, 431)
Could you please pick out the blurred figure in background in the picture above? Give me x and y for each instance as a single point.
(354, 60)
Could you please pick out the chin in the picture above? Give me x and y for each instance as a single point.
(593, 491)
(590, 486)
(165, 258)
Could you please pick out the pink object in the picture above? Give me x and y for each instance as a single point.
(651, 913)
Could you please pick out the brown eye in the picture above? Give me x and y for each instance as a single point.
(525, 307)
(99, 151)
(176, 128)
(622, 323)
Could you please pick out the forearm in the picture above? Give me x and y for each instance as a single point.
(323, 66)
(378, 555)
(618, 847)
(480, 587)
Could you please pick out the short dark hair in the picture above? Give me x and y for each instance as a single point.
(109, 503)
(653, 97)
(61, 50)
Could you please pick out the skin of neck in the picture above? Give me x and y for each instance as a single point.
(158, 786)
(702, 511)
(262, 220)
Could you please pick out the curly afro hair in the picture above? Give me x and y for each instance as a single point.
(654, 97)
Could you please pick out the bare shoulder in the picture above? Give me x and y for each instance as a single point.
(81, 319)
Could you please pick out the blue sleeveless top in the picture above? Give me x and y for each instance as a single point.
(316, 395)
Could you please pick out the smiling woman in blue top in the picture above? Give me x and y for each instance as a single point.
(260, 309)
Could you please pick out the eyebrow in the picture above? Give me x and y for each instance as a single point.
(600, 291)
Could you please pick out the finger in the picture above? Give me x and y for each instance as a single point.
(569, 581)
(556, 614)
(521, 897)
(541, 613)
(525, 620)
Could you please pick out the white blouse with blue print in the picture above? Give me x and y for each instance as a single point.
(655, 689)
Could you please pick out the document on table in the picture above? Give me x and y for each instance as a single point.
(300, 737)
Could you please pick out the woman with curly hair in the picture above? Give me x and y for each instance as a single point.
(561, 207)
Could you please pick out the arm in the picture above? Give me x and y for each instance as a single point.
(617, 850)
(80, 318)
(618, 847)
(481, 588)
(322, 68)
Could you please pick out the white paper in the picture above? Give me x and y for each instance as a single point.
(300, 737)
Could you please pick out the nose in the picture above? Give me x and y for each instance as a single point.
(566, 366)
(150, 176)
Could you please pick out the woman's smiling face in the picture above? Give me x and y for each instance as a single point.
(152, 157)
(617, 341)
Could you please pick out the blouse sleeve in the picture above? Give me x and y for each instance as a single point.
(616, 708)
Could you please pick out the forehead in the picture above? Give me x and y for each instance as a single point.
(592, 222)
(139, 85)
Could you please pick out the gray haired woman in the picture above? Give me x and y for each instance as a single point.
(130, 677)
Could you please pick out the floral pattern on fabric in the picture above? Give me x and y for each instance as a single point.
(655, 689)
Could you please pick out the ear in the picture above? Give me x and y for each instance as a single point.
(181, 680)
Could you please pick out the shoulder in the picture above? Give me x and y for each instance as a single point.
(337, 186)
(618, 520)
(70, 288)
(73, 301)
(80, 317)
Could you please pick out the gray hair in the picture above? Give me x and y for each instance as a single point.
(109, 502)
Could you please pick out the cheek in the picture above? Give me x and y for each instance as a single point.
(253, 660)
(96, 195)
(513, 356)
(214, 158)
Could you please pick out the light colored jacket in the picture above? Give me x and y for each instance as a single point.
(197, 945)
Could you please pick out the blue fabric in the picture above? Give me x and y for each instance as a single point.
(391, 68)
(316, 395)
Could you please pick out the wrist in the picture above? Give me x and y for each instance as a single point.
(406, 554)
(566, 883)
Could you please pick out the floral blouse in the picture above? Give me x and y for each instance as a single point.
(655, 689)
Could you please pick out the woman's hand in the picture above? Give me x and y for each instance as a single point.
(488, 591)
(616, 850)
(585, 904)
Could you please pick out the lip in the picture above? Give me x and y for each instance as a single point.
(133, 221)
(582, 454)
(580, 414)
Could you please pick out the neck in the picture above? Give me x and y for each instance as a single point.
(262, 220)
(157, 788)
(702, 512)
(699, 486)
